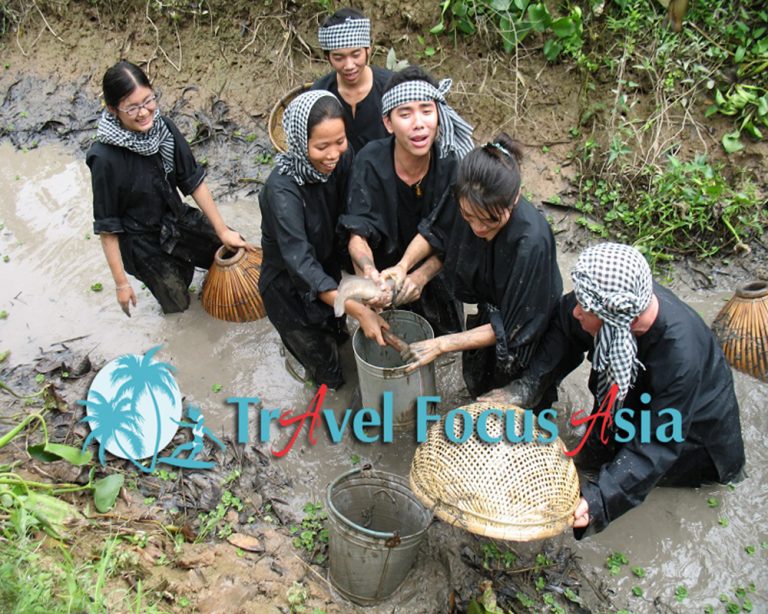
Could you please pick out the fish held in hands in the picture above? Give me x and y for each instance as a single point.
(359, 289)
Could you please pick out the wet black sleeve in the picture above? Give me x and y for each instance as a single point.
(106, 189)
(438, 227)
(532, 286)
(672, 379)
(189, 174)
(284, 209)
(367, 209)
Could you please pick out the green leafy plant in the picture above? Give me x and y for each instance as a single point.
(312, 535)
(97, 286)
(615, 561)
(211, 521)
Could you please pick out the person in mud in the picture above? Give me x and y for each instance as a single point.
(300, 206)
(398, 181)
(649, 352)
(345, 37)
(498, 252)
(138, 164)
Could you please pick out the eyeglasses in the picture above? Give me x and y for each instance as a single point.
(150, 104)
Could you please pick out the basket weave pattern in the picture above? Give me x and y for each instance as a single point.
(513, 491)
(742, 329)
(231, 288)
(275, 123)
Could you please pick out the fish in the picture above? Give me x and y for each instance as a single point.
(359, 289)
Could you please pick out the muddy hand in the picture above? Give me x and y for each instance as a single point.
(397, 343)
(233, 240)
(397, 275)
(126, 297)
(422, 353)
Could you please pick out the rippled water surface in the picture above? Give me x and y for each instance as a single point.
(53, 260)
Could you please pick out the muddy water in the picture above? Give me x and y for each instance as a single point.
(46, 290)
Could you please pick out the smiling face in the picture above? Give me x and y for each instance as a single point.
(588, 320)
(142, 120)
(414, 125)
(349, 64)
(484, 224)
(327, 143)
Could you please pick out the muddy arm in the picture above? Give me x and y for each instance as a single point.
(362, 257)
(125, 294)
(230, 238)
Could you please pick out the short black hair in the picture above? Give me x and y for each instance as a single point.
(341, 16)
(410, 73)
(489, 176)
(120, 80)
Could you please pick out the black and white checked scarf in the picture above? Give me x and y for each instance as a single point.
(159, 138)
(350, 34)
(454, 133)
(614, 282)
(295, 162)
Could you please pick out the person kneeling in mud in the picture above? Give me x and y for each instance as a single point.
(499, 252)
(651, 353)
(139, 162)
(398, 181)
(300, 206)
(345, 37)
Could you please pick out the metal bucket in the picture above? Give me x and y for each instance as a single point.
(381, 369)
(375, 527)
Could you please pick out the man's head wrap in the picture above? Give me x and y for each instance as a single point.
(295, 162)
(614, 282)
(352, 33)
(454, 134)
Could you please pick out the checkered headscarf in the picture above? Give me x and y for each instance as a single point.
(454, 134)
(159, 138)
(350, 34)
(614, 282)
(295, 162)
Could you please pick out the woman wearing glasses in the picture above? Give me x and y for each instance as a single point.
(138, 164)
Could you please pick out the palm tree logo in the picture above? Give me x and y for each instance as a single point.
(133, 408)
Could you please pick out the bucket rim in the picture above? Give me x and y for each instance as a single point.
(369, 532)
(395, 370)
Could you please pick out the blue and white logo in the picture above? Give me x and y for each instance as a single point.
(134, 410)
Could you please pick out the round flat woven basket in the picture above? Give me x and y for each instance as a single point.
(231, 288)
(276, 134)
(512, 491)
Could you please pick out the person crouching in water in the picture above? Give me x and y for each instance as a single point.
(650, 352)
(498, 252)
(138, 164)
(301, 268)
(398, 181)
(345, 37)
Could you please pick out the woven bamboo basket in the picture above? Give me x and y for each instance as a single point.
(741, 327)
(511, 491)
(231, 288)
(276, 134)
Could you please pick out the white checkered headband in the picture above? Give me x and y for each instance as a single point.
(614, 282)
(352, 33)
(454, 134)
(295, 162)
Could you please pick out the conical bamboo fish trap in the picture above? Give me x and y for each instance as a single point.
(231, 288)
(276, 134)
(513, 491)
(742, 329)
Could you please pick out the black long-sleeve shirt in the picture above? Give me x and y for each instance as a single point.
(516, 272)
(298, 235)
(684, 369)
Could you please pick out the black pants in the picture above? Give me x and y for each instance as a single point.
(165, 261)
(309, 331)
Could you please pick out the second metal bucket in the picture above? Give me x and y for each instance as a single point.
(375, 527)
(381, 369)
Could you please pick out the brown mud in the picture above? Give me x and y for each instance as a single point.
(220, 76)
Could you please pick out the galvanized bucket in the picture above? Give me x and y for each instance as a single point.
(375, 527)
(381, 369)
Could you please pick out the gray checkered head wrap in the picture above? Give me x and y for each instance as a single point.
(614, 282)
(454, 134)
(158, 138)
(295, 162)
(350, 34)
